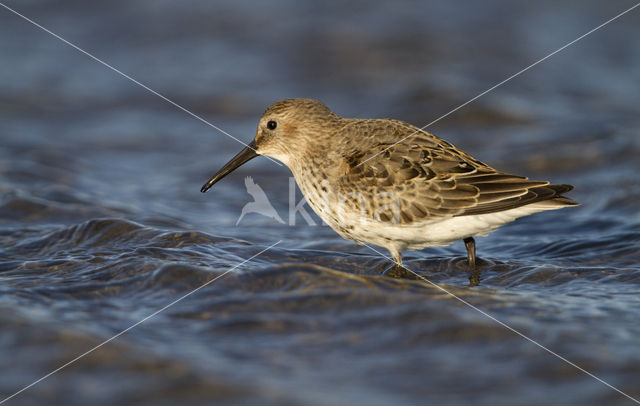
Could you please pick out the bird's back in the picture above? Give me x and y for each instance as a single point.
(392, 172)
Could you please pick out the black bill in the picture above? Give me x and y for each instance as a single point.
(245, 155)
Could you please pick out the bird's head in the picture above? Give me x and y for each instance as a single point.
(286, 130)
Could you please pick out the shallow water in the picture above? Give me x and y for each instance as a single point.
(102, 222)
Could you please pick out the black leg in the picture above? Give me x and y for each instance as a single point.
(470, 245)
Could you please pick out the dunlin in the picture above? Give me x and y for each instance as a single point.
(389, 183)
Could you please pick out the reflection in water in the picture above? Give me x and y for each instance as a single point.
(102, 222)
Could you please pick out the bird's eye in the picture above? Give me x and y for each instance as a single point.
(272, 125)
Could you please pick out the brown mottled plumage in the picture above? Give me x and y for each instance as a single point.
(389, 183)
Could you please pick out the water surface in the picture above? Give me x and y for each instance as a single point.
(102, 222)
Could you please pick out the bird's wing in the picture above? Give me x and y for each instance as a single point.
(425, 178)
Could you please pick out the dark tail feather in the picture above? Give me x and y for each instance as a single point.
(550, 194)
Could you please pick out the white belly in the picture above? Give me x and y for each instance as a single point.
(432, 233)
(399, 237)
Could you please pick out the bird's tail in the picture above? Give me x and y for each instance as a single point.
(550, 197)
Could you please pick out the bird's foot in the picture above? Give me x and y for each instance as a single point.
(474, 278)
(399, 272)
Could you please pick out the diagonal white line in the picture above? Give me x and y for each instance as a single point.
(503, 324)
(129, 77)
(138, 323)
(503, 82)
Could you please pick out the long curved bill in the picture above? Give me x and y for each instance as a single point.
(247, 154)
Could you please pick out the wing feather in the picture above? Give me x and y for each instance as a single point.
(425, 178)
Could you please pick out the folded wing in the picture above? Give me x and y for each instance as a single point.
(425, 178)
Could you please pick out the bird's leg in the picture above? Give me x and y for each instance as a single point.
(397, 257)
(470, 245)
